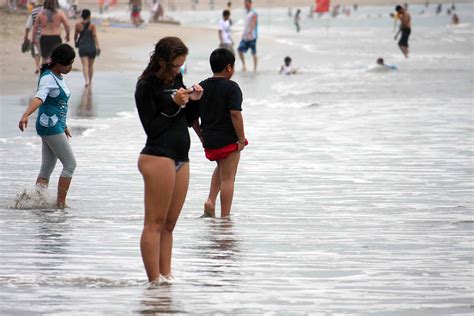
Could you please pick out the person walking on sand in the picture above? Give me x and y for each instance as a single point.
(85, 37)
(224, 32)
(165, 109)
(136, 8)
(222, 129)
(249, 36)
(49, 21)
(405, 29)
(51, 98)
(35, 52)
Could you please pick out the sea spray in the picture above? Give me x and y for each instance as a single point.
(37, 197)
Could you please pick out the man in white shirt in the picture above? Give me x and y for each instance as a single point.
(249, 36)
(224, 32)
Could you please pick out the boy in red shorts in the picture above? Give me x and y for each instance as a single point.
(221, 129)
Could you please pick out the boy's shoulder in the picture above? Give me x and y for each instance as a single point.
(220, 81)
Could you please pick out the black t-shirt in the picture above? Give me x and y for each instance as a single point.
(220, 96)
(166, 136)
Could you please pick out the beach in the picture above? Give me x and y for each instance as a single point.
(353, 197)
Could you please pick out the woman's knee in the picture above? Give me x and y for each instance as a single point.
(155, 224)
(69, 167)
(170, 225)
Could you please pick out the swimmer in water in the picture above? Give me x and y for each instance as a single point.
(286, 68)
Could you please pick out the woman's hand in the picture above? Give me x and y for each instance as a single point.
(23, 122)
(181, 97)
(196, 93)
(67, 132)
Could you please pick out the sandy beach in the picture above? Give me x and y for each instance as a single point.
(16, 78)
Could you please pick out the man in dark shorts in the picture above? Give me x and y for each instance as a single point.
(405, 29)
(49, 21)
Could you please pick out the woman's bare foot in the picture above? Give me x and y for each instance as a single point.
(209, 209)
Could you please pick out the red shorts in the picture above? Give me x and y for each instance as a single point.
(223, 152)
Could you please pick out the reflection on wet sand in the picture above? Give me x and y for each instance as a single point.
(223, 243)
(53, 227)
(221, 248)
(158, 301)
(86, 108)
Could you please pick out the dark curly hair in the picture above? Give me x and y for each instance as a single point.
(167, 49)
(63, 55)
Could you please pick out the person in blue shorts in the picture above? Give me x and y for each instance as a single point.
(249, 36)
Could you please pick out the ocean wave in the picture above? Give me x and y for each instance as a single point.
(82, 281)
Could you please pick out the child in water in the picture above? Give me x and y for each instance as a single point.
(286, 68)
(381, 65)
(222, 129)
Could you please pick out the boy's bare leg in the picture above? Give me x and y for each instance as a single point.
(254, 62)
(228, 170)
(210, 204)
(242, 59)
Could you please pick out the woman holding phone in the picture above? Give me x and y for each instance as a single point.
(166, 111)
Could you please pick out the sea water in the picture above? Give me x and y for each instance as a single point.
(354, 196)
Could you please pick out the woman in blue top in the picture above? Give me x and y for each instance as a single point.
(51, 99)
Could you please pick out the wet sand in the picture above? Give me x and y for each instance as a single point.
(17, 69)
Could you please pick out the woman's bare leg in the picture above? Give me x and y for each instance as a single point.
(85, 69)
(159, 177)
(63, 187)
(179, 195)
(91, 68)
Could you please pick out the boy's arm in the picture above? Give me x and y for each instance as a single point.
(197, 129)
(238, 122)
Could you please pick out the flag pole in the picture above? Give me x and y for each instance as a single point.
(327, 26)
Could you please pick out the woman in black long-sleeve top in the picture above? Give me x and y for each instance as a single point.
(165, 113)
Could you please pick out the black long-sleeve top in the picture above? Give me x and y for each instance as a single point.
(166, 136)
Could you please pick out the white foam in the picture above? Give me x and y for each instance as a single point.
(37, 197)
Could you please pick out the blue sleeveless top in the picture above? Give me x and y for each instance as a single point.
(52, 113)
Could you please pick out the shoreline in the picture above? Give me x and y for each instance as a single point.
(17, 69)
(113, 42)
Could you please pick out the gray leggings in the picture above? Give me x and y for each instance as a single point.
(54, 147)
